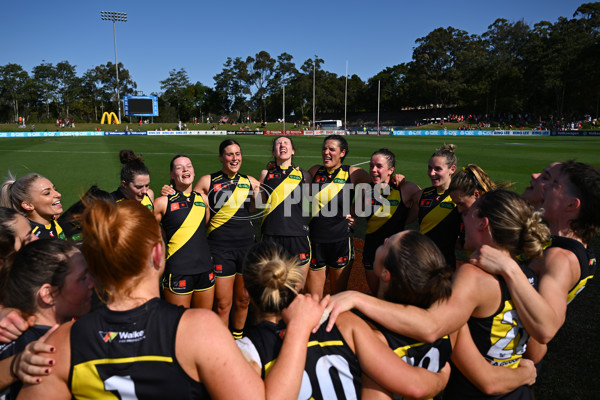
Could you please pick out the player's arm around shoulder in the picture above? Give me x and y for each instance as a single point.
(203, 185)
(54, 386)
(359, 175)
(160, 207)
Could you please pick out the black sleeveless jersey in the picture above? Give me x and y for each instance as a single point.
(387, 214)
(284, 215)
(184, 223)
(118, 196)
(440, 220)
(130, 353)
(332, 370)
(501, 339)
(331, 202)
(15, 347)
(51, 231)
(229, 200)
(586, 258)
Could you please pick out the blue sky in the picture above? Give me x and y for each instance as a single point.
(199, 35)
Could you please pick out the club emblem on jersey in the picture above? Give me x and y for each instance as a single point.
(107, 336)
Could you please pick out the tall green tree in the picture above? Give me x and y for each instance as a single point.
(108, 78)
(178, 93)
(435, 69)
(14, 80)
(67, 85)
(45, 79)
(506, 45)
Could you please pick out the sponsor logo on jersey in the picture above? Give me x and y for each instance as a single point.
(122, 337)
(174, 206)
(107, 336)
(303, 256)
(296, 177)
(339, 180)
(425, 203)
(219, 267)
(243, 186)
(319, 179)
(217, 187)
(447, 205)
(199, 204)
(393, 203)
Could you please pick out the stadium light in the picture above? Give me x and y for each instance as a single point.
(115, 16)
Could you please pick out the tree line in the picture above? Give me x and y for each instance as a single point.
(550, 69)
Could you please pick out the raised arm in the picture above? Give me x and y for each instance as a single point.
(542, 311)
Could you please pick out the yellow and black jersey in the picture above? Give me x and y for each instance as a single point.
(50, 231)
(129, 354)
(387, 216)
(501, 339)
(283, 214)
(586, 258)
(330, 205)
(184, 223)
(332, 370)
(229, 199)
(118, 196)
(440, 220)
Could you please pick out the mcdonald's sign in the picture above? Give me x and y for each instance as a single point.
(109, 117)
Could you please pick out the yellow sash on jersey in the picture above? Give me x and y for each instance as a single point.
(147, 202)
(433, 217)
(380, 217)
(282, 191)
(232, 205)
(188, 227)
(329, 191)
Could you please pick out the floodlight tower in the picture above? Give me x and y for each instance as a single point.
(115, 17)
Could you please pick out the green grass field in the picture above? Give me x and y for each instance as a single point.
(73, 164)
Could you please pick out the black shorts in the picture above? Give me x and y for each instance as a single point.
(186, 284)
(228, 262)
(336, 255)
(295, 245)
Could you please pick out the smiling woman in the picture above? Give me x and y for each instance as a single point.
(35, 197)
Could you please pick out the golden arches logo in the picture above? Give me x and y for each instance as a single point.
(109, 117)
